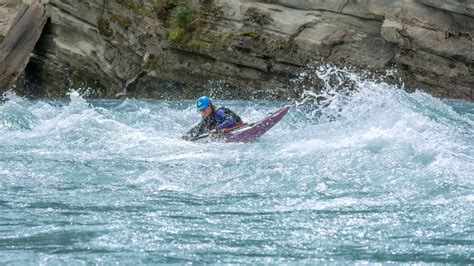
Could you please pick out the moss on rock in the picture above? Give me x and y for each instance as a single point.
(104, 27)
(178, 35)
(419, 72)
(252, 34)
(136, 8)
(183, 16)
(199, 44)
(122, 21)
(183, 22)
(258, 17)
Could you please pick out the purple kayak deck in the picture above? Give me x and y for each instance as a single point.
(252, 132)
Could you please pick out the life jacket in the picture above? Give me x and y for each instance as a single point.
(227, 111)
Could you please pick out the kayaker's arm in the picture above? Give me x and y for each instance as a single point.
(196, 131)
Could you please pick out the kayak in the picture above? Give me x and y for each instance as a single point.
(250, 132)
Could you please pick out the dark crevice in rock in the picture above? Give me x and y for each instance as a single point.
(33, 83)
(289, 64)
(344, 6)
(192, 53)
(301, 29)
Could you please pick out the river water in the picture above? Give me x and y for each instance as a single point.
(372, 175)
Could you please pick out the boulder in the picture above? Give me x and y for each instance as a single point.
(19, 41)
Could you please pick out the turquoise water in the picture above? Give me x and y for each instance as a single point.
(374, 175)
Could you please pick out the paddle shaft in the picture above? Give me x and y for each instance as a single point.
(225, 130)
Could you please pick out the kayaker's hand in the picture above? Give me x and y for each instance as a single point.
(212, 133)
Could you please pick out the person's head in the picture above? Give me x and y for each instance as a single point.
(204, 106)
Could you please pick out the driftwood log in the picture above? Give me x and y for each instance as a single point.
(19, 42)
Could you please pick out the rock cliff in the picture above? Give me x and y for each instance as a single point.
(172, 48)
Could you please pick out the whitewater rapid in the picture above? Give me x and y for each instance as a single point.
(368, 175)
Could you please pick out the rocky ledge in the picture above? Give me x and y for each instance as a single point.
(173, 48)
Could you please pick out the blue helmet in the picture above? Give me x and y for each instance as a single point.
(203, 102)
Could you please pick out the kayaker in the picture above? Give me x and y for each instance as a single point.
(215, 120)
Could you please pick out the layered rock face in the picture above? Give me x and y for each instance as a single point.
(8, 10)
(173, 48)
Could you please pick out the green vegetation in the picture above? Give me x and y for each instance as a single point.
(194, 43)
(123, 22)
(182, 16)
(281, 44)
(183, 22)
(252, 34)
(104, 27)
